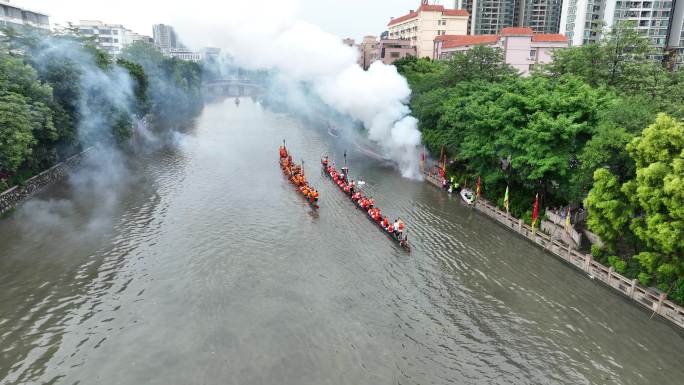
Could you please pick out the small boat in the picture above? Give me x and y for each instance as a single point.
(332, 173)
(295, 175)
(468, 196)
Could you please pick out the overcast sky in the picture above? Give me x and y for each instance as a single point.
(353, 18)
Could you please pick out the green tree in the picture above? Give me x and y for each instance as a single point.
(657, 193)
(422, 74)
(478, 63)
(174, 86)
(609, 213)
(141, 85)
(20, 79)
(657, 189)
(605, 150)
(16, 138)
(64, 76)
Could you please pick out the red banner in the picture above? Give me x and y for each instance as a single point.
(535, 210)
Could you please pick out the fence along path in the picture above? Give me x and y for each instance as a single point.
(648, 298)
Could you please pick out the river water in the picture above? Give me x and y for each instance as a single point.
(201, 265)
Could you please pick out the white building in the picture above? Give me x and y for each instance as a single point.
(427, 22)
(185, 54)
(112, 38)
(584, 21)
(17, 17)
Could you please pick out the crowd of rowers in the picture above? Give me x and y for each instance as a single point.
(367, 204)
(296, 176)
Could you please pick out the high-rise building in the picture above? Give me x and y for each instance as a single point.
(675, 42)
(585, 21)
(165, 37)
(543, 16)
(489, 17)
(427, 22)
(18, 17)
(112, 38)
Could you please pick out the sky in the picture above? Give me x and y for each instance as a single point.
(344, 18)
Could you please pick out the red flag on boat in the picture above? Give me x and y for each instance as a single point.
(535, 210)
(478, 187)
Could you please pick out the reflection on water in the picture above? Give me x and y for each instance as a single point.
(211, 270)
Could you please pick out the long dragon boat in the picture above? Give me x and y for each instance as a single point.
(367, 205)
(295, 174)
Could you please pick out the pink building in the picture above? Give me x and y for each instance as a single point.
(390, 50)
(522, 48)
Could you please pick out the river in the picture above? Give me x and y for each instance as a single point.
(203, 266)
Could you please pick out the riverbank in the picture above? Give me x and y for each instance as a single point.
(11, 198)
(653, 300)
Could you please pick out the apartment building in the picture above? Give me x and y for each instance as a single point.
(17, 17)
(585, 21)
(391, 50)
(112, 38)
(421, 26)
(185, 54)
(543, 16)
(489, 17)
(522, 47)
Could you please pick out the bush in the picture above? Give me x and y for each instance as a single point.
(644, 279)
(617, 263)
(597, 251)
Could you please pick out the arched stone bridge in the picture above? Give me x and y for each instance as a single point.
(231, 88)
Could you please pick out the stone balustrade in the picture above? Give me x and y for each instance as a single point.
(9, 199)
(653, 300)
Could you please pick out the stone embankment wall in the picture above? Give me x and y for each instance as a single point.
(9, 199)
(654, 301)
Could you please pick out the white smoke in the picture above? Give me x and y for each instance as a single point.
(272, 38)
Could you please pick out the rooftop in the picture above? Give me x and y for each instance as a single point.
(517, 31)
(452, 41)
(466, 40)
(550, 37)
(8, 4)
(429, 8)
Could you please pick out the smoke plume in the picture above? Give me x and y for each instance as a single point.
(309, 57)
(103, 175)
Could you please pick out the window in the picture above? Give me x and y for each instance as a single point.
(394, 55)
(533, 54)
(13, 12)
(441, 22)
